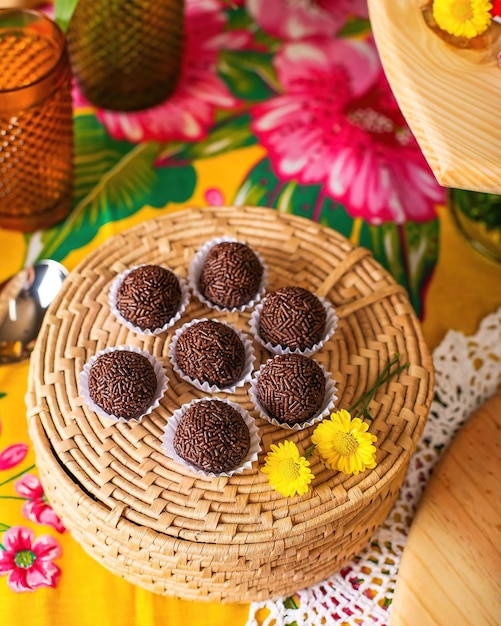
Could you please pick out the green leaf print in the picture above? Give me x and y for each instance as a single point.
(355, 27)
(238, 18)
(250, 75)
(260, 187)
(421, 243)
(63, 10)
(228, 135)
(113, 180)
(311, 202)
(387, 249)
(409, 252)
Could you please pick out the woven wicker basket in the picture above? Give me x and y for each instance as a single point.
(228, 539)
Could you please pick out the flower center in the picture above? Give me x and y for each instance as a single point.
(290, 470)
(345, 444)
(371, 121)
(25, 558)
(462, 10)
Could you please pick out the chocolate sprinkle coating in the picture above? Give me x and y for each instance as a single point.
(292, 317)
(211, 352)
(291, 388)
(122, 383)
(231, 275)
(213, 436)
(149, 296)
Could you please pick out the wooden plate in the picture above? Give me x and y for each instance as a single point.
(450, 97)
(451, 566)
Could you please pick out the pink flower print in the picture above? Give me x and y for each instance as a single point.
(345, 8)
(214, 196)
(37, 509)
(13, 455)
(29, 562)
(338, 124)
(300, 19)
(190, 111)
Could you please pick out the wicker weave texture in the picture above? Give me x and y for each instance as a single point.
(229, 539)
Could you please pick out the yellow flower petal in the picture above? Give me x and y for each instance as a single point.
(288, 472)
(344, 444)
(462, 18)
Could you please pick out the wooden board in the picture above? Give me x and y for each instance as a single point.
(450, 572)
(450, 97)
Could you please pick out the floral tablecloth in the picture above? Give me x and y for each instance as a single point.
(281, 104)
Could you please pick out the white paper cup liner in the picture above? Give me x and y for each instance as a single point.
(252, 454)
(330, 326)
(206, 387)
(196, 268)
(162, 382)
(326, 409)
(185, 298)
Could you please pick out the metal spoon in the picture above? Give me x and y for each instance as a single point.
(24, 299)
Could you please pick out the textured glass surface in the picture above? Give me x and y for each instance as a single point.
(126, 54)
(36, 128)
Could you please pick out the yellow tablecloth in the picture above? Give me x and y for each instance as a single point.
(284, 107)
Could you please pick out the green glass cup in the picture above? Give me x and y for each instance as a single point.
(126, 54)
(478, 216)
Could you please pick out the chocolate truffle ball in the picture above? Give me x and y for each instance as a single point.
(123, 383)
(292, 317)
(211, 352)
(291, 388)
(213, 436)
(149, 297)
(231, 275)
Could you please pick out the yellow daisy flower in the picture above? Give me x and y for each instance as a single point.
(288, 472)
(463, 18)
(344, 443)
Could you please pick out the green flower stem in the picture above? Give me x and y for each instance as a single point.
(385, 371)
(9, 480)
(310, 451)
(384, 377)
(372, 393)
(370, 396)
(13, 498)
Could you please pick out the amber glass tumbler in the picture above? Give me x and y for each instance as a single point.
(126, 54)
(36, 122)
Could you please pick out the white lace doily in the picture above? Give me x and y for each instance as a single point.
(467, 373)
